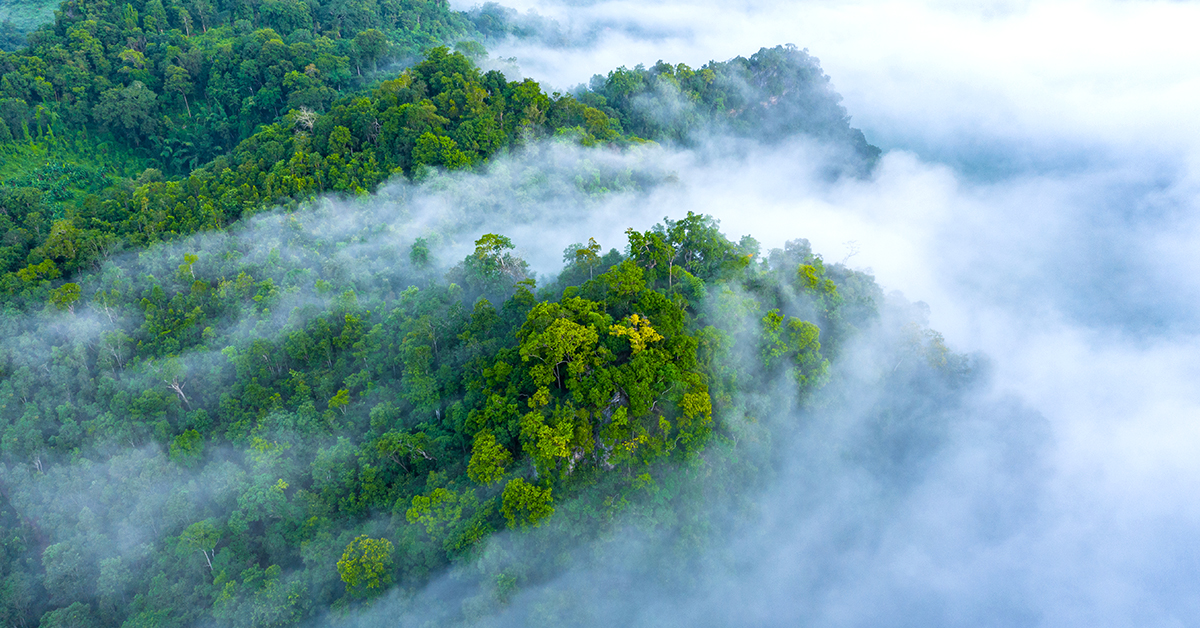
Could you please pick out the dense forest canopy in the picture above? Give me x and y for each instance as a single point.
(237, 388)
(126, 125)
(280, 430)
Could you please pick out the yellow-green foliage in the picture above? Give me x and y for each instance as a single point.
(366, 566)
(438, 510)
(488, 459)
(637, 331)
(526, 504)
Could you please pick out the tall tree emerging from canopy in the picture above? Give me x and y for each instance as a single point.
(129, 111)
(366, 566)
(370, 46)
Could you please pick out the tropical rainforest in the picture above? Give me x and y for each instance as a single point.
(248, 379)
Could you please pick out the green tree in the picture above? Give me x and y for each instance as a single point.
(583, 255)
(370, 45)
(488, 459)
(439, 150)
(180, 82)
(525, 504)
(341, 142)
(65, 296)
(130, 111)
(493, 259)
(68, 573)
(439, 510)
(419, 254)
(203, 537)
(77, 615)
(366, 566)
(403, 448)
(796, 344)
(340, 401)
(188, 448)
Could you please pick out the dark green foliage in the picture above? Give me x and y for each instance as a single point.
(441, 113)
(206, 73)
(180, 84)
(777, 93)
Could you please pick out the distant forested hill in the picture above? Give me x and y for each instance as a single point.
(19, 17)
(777, 93)
(124, 124)
(73, 198)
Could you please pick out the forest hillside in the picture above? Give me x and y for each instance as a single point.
(251, 375)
